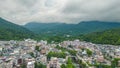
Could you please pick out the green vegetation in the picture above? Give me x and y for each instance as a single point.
(56, 54)
(111, 36)
(81, 63)
(60, 29)
(115, 62)
(61, 48)
(56, 39)
(69, 64)
(37, 48)
(58, 32)
(63, 66)
(102, 66)
(39, 65)
(10, 31)
(32, 54)
(72, 52)
(89, 52)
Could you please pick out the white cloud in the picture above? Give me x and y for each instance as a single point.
(69, 11)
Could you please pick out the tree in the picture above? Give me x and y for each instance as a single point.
(39, 65)
(37, 48)
(32, 54)
(63, 66)
(89, 52)
(56, 54)
(69, 63)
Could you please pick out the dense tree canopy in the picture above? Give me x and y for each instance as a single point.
(111, 36)
(56, 54)
(10, 31)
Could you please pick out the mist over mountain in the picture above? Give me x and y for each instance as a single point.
(71, 29)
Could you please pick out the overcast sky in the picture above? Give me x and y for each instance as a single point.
(68, 11)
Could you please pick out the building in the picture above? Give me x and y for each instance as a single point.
(30, 64)
(53, 63)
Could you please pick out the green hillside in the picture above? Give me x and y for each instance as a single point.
(111, 36)
(10, 31)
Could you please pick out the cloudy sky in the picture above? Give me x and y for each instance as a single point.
(68, 11)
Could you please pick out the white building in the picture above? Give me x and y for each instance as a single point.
(30, 64)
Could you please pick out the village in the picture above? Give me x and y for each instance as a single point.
(67, 54)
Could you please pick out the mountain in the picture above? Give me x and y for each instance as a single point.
(10, 31)
(111, 36)
(71, 29)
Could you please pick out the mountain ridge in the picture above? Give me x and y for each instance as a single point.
(72, 29)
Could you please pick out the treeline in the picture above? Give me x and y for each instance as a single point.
(56, 38)
(111, 36)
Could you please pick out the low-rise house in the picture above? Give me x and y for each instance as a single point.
(7, 64)
(42, 59)
(53, 63)
(119, 63)
(100, 59)
(31, 64)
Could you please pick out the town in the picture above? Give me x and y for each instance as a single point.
(67, 54)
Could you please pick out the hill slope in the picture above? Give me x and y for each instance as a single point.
(10, 31)
(111, 36)
(72, 29)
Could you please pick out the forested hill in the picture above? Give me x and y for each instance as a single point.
(71, 29)
(10, 31)
(111, 36)
(107, 32)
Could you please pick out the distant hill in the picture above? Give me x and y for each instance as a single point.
(10, 31)
(71, 29)
(111, 36)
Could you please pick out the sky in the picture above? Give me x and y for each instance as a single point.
(65, 11)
